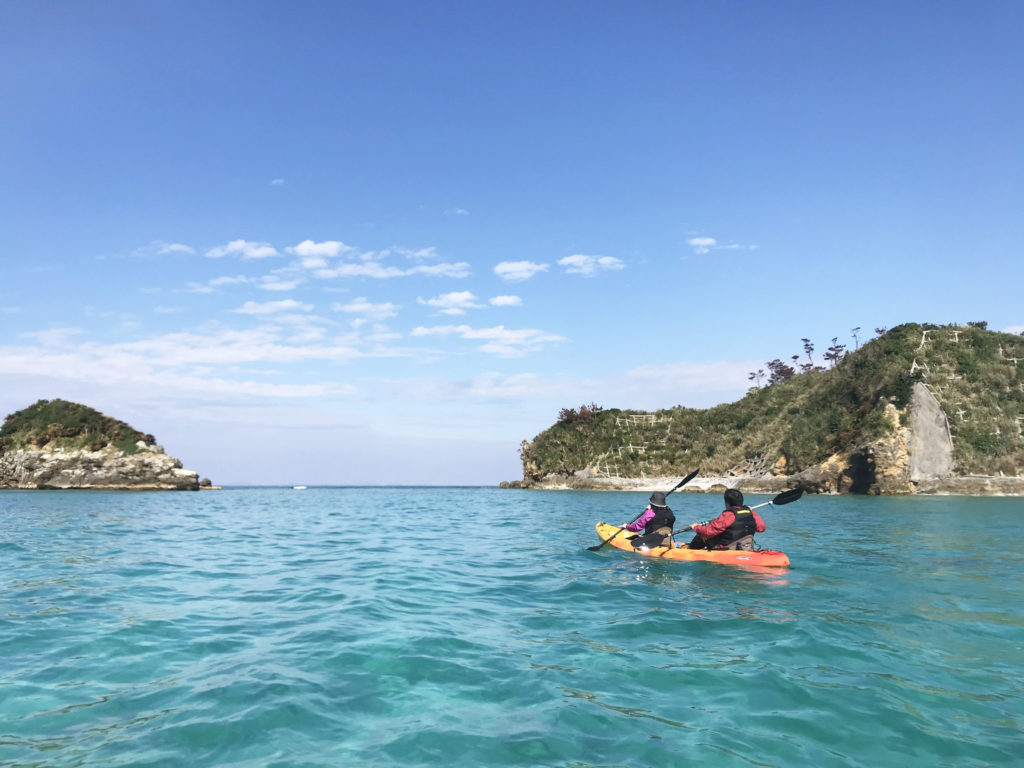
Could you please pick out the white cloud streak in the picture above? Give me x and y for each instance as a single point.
(166, 248)
(362, 306)
(702, 245)
(243, 249)
(499, 340)
(326, 249)
(581, 264)
(455, 303)
(517, 271)
(270, 307)
(505, 301)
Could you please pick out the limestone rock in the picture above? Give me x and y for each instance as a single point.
(106, 469)
(930, 446)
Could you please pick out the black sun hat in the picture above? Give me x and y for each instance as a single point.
(657, 499)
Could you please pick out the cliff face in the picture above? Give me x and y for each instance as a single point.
(106, 469)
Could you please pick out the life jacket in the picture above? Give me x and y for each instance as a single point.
(743, 525)
(663, 518)
(663, 521)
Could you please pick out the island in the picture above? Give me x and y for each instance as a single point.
(57, 444)
(920, 409)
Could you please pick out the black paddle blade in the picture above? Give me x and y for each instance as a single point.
(787, 496)
(597, 547)
(685, 480)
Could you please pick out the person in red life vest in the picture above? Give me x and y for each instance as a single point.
(656, 522)
(733, 529)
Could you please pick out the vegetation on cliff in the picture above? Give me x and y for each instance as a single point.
(800, 420)
(68, 426)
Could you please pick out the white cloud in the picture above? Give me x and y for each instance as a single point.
(277, 182)
(580, 264)
(1014, 329)
(212, 285)
(702, 244)
(169, 364)
(362, 306)
(229, 280)
(157, 248)
(455, 303)
(516, 271)
(368, 269)
(377, 270)
(53, 337)
(456, 212)
(271, 283)
(500, 341)
(270, 307)
(459, 269)
(439, 330)
(707, 244)
(422, 253)
(165, 248)
(382, 333)
(505, 301)
(244, 249)
(328, 248)
(314, 257)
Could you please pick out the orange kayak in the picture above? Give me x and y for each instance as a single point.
(680, 552)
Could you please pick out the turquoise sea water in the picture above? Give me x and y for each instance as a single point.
(274, 627)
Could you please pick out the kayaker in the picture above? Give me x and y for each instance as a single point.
(656, 522)
(733, 529)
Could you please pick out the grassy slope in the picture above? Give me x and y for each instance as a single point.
(817, 414)
(67, 425)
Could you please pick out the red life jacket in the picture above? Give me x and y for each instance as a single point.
(743, 525)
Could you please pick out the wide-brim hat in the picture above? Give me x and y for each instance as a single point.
(658, 499)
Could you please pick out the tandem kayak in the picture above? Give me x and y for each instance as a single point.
(768, 557)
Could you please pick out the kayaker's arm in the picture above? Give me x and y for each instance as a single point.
(640, 522)
(716, 526)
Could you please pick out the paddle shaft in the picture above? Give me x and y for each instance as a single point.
(783, 498)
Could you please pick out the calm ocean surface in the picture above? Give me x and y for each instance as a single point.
(274, 627)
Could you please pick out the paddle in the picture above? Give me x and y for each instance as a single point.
(783, 498)
(680, 484)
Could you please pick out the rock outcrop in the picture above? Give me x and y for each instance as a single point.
(105, 469)
(931, 445)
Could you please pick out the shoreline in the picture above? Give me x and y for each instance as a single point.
(965, 485)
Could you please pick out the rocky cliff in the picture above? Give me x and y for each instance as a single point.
(58, 444)
(106, 469)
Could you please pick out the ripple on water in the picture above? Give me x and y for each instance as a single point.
(263, 627)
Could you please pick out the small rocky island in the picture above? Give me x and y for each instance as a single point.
(59, 444)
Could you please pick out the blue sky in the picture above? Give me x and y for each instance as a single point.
(384, 242)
